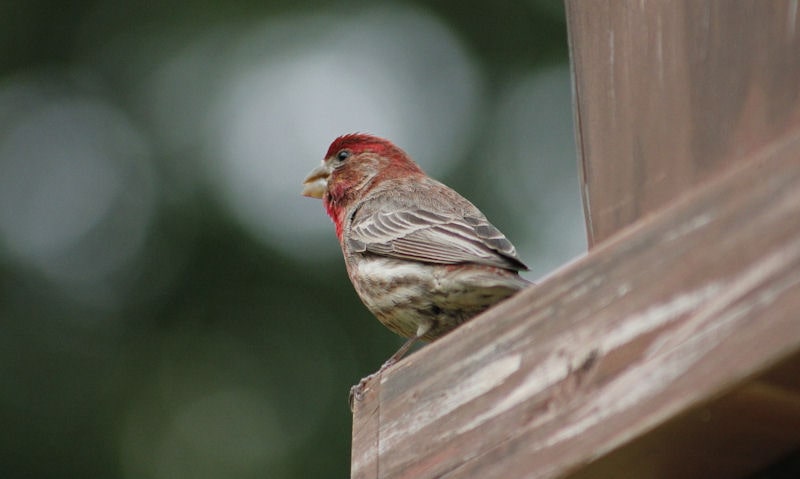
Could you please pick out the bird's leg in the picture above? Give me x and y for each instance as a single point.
(357, 391)
(400, 352)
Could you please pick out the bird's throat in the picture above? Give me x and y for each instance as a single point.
(336, 213)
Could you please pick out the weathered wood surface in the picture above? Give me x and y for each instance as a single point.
(600, 370)
(669, 94)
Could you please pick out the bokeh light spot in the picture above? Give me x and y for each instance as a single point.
(76, 188)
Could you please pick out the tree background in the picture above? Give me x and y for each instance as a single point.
(170, 306)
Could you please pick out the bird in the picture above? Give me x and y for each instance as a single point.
(421, 257)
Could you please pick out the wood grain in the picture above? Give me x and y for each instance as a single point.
(669, 94)
(593, 372)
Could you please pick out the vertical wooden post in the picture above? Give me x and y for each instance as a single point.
(670, 94)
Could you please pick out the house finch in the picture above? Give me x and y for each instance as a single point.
(421, 257)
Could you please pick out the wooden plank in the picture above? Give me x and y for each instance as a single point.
(669, 94)
(366, 419)
(683, 308)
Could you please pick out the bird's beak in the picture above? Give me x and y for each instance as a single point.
(316, 183)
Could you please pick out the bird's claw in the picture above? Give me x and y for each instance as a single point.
(357, 391)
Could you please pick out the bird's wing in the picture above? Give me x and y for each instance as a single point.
(421, 234)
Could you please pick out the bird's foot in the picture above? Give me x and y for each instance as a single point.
(357, 391)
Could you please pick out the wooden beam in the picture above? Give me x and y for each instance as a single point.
(669, 94)
(686, 323)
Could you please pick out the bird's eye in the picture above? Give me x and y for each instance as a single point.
(343, 155)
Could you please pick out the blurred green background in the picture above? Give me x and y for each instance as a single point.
(170, 306)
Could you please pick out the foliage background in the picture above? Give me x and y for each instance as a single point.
(170, 306)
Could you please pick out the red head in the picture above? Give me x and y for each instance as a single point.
(353, 165)
(360, 143)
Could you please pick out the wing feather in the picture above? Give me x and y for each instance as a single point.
(434, 237)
